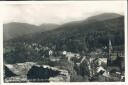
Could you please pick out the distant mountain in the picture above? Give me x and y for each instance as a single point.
(15, 29)
(99, 17)
(79, 35)
(103, 16)
(49, 26)
(92, 34)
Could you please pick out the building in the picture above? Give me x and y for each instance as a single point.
(20, 68)
(70, 55)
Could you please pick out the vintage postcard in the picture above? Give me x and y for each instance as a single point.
(64, 42)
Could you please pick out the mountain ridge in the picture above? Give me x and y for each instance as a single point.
(11, 30)
(58, 28)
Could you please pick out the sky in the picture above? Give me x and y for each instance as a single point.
(60, 12)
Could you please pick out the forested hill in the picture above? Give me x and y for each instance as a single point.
(17, 29)
(78, 37)
(82, 35)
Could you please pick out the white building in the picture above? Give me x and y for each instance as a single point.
(70, 55)
(102, 60)
(50, 52)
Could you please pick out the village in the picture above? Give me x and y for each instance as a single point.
(64, 66)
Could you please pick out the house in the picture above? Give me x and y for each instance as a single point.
(29, 72)
(50, 52)
(19, 68)
(54, 58)
(46, 73)
(105, 72)
(102, 60)
(96, 64)
(8, 72)
(70, 55)
(64, 53)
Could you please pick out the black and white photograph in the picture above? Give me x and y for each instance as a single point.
(64, 42)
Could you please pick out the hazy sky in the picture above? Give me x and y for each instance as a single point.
(60, 12)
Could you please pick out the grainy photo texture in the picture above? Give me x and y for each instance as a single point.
(76, 42)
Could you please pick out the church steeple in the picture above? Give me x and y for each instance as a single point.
(110, 49)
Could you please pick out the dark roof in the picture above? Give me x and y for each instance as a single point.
(8, 72)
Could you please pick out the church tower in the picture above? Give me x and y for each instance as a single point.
(110, 51)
